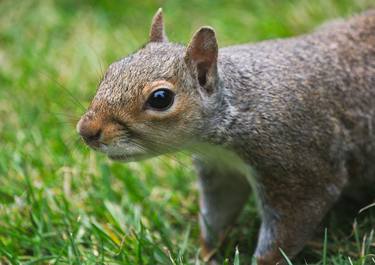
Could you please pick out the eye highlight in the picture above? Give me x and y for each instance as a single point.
(160, 99)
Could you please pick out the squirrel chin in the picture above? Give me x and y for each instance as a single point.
(129, 158)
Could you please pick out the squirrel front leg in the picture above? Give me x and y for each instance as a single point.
(223, 194)
(291, 213)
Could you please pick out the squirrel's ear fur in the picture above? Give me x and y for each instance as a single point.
(157, 32)
(201, 57)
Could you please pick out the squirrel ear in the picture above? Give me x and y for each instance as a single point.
(157, 32)
(201, 57)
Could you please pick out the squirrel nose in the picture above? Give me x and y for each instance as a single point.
(90, 131)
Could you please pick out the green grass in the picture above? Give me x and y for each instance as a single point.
(63, 204)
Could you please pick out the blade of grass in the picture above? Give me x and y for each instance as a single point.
(285, 257)
(325, 243)
(236, 257)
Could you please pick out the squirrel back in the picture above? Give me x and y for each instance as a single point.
(315, 91)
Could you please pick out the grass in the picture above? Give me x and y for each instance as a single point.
(62, 203)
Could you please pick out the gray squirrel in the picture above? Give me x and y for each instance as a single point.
(291, 120)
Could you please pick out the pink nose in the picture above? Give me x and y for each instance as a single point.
(90, 131)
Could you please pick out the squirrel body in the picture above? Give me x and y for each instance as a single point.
(295, 118)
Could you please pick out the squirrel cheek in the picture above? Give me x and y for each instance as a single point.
(110, 132)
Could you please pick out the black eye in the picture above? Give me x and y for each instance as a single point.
(160, 99)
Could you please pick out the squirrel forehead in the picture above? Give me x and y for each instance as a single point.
(126, 78)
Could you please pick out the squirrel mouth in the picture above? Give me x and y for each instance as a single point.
(129, 158)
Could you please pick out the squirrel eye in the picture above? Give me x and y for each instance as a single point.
(160, 99)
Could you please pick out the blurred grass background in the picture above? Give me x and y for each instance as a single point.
(63, 204)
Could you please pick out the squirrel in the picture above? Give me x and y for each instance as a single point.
(291, 120)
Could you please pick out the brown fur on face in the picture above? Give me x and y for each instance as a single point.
(128, 83)
(119, 105)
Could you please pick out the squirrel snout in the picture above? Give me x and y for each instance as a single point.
(90, 131)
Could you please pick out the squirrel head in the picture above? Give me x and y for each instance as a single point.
(155, 100)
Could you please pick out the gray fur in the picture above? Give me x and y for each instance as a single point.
(300, 112)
